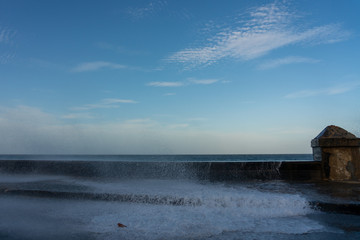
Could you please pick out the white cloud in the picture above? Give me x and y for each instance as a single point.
(93, 66)
(326, 34)
(105, 103)
(189, 81)
(339, 89)
(285, 61)
(150, 9)
(117, 100)
(270, 27)
(203, 81)
(166, 84)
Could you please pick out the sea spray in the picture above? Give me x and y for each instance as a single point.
(155, 200)
(206, 210)
(221, 209)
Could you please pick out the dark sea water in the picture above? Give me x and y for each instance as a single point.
(42, 205)
(166, 158)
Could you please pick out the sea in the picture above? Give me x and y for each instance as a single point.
(164, 158)
(40, 204)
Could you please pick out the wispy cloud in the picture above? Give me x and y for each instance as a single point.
(6, 35)
(267, 28)
(189, 81)
(285, 61)
(6, 38)
(166, 84)
(121, 49)
(99, 65)
(203, 81)
(6, 58)
(77, 116)
(148, 10)
(117, 100)
(93, 66)
(338, 89)
(105, 103)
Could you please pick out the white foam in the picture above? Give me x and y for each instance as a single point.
(224, 209)
(250, 202)
(161, 222)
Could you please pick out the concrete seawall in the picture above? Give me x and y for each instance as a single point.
(215, 171)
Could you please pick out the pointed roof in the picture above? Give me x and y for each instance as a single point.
(333, 131)
(334, 136)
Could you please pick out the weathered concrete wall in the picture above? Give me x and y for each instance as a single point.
(214, 171)
(343, 163)
(339, 153)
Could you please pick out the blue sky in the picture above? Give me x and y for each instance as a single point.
(176, 77)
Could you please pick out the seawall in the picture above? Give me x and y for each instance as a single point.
(214, 171)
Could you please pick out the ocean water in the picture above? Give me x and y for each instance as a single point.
(165, 158)
(52, 206)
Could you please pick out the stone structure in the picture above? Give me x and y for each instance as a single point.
(339, 153)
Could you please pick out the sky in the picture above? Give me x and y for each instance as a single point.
(176, 77)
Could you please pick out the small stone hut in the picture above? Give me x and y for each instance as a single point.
(339, 153)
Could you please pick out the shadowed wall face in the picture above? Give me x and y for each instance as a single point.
(339, 153)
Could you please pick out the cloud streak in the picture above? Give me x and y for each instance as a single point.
(166, 84)
(286, 61)
(339, 89)
(269, 27)
(6, 35)
(105, 103)
(148, 10)
(190, 81)
(77, 116)
(203, 81)
(93, 66)
(6, 39)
